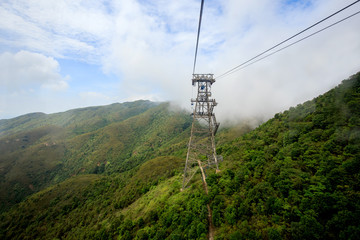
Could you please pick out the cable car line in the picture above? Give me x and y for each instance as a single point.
(310, 35)
(198, 33)
(306, 29)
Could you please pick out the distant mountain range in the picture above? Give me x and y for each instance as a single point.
(115, 172)
(38, 150)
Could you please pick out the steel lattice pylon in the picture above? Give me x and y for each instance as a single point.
(201, 152)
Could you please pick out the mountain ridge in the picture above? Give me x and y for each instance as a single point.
(32, 120)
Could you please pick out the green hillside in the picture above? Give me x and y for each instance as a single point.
(297, 175)
(77, 120)
(100, 140)
(294, 177)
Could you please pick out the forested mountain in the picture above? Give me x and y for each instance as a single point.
(294, 177)
(38, 150)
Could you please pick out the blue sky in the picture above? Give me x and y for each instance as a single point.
(59, 55)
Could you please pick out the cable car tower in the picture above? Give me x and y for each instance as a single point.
(201, 152)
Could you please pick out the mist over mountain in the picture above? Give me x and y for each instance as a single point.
(115, 172)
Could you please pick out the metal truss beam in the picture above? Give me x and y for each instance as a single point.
(201, 153)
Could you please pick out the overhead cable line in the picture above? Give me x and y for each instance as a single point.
(268, 55)
(198, 34)
(297, 34)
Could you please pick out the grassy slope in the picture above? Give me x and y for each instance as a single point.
(87, 206)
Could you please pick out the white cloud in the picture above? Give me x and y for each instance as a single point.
(150, 46)
(25, 70)
(150, 57)
(56, 85)
(290, 77)
(73, 29)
